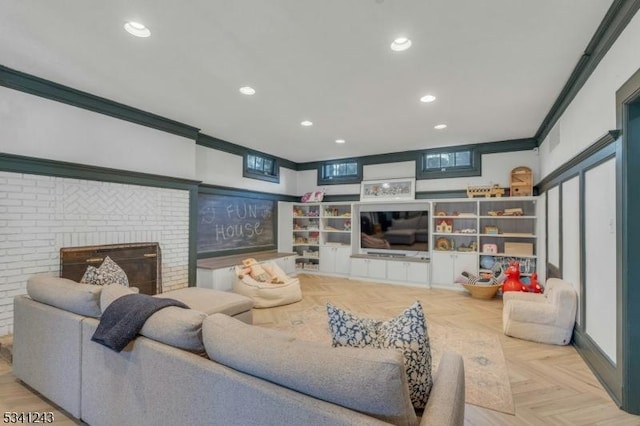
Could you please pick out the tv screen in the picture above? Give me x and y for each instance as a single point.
(402, 232)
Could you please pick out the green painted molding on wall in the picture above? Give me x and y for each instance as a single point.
(227, 190)
(615, 21)
(395, 157)
(27, 83)
(231, 148)
(602, 147)
(37, 166)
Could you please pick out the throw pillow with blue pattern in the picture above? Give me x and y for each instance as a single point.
(407, 333)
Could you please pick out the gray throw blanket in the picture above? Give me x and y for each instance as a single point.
(125, 317)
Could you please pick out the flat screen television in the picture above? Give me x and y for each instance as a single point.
(395, 232)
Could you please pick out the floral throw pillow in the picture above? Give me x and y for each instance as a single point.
(407, 333)
(108, 273)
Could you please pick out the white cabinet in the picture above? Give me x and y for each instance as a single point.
(369, 268)
(287, 264)
(409, 272)
(447, 266)
(335, 260)
(217, 279)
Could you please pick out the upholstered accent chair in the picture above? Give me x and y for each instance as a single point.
(546, 318)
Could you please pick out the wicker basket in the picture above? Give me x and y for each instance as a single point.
(482, 291)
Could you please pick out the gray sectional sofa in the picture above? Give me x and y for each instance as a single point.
(247, 375)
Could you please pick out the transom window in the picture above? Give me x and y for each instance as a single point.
(261, 167)
(436, 163)
(343, 171)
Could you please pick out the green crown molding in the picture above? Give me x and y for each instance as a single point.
(614, 22)
(231, 148)
(572, 167)
(226, 190)
(57, 92)
(39, 166)
(395, 157)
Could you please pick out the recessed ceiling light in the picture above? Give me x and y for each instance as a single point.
(137, 29)
(306, 123)
(246, 90)
(340, 141)
(400, 44)
(427, 98)
(440, 126)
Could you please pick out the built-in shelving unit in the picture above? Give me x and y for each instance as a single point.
(482, 235)
(306, 236)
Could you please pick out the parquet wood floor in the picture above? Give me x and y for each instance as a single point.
(551, 385)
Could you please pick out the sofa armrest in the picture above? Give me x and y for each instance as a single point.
(520, 295)
(536, 313)
(446, 401)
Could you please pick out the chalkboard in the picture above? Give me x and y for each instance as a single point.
(227, 223)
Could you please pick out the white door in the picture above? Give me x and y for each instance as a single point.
(442, 268)
(397, 271)
(342, 260)
(418, 272)
(327, 259)
(359, 267)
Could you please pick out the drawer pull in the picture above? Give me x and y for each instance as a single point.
(150, 255)
(94, 259)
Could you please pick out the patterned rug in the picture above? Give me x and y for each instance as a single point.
(486, 377)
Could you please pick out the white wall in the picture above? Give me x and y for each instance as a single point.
(37, 127)
(41, 214)
(571, 251)
(593, 111)
(221, 168)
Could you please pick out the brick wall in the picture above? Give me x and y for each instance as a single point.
(41, 214)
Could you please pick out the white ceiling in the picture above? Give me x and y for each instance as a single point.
(496, 66)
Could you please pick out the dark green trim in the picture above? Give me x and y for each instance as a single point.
(38, 166)
(231, 148)
(193, 236)
(628, 228)
(395, 157)
(27, 83)
(597, 362)
(211, 254)
(602, 147)
(612, 25)
(226, 190)
(347, 180)
(253, 174)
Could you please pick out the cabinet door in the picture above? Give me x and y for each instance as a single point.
(442, 268)
(359, 267)
(223, 279)
(397, 271)
(327, 259)
(342, 260)
(465, 262)
(417, 272)
(377, 268)
(204, 278)
(287, 264)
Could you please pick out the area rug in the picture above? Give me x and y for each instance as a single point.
(486, 377)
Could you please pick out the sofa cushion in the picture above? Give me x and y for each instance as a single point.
(211, 301)
(81, 299)
(108, 273)
(406, 333)
(173, 326)
(366, 380)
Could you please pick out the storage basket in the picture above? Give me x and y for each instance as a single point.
(482, 291)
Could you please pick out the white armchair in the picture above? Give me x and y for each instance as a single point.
(545, 318)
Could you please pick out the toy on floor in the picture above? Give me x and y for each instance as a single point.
(252, 268)
(513, 283)
(534, 286)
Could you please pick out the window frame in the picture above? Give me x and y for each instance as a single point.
(339, 180)
(474, 169)
(253, 173)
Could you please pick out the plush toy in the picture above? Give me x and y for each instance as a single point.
(513, 283)
(257, 272)
(534, 287)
